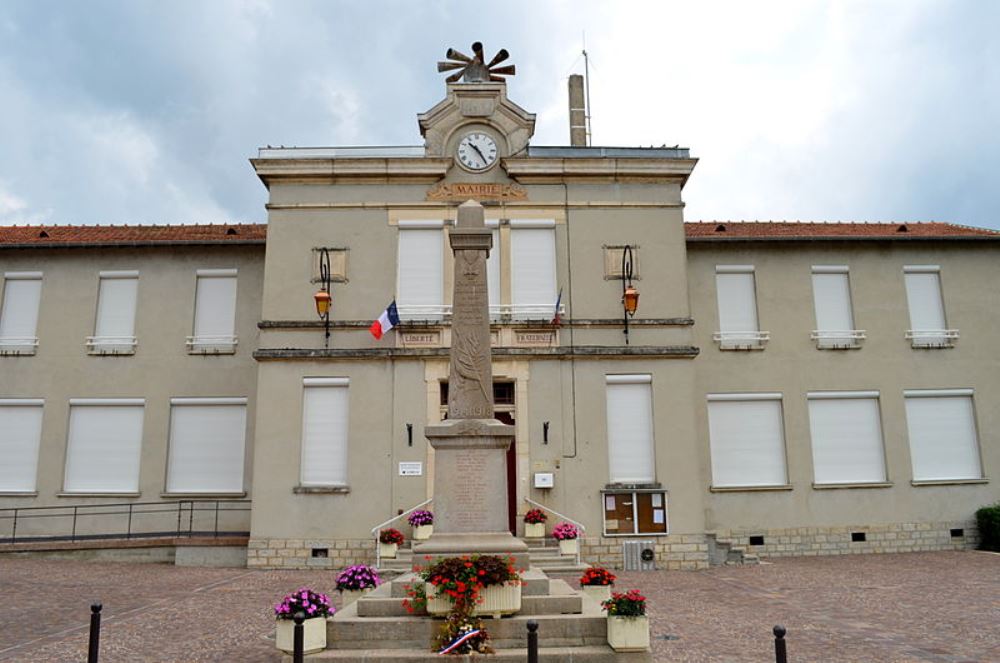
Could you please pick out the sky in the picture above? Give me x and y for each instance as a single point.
(146, 111)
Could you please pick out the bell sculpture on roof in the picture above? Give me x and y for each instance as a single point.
(475, 69)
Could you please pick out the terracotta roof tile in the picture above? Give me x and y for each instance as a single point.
(51, 236)
(791, 230)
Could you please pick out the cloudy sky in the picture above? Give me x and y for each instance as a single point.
(146, 111)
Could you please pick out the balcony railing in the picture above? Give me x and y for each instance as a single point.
(741, 340)
(111, 345)
(499, 313)
(211, 344)
(847, 339)
(932, 338)
(22, 345)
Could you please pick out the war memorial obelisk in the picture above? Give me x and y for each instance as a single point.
(470, 477)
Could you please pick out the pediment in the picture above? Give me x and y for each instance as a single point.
(475, 104)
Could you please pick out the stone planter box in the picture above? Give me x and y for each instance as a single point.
(387, 550)
(628, 633)
(599, 593)
(497, 600)
(534, 530)
(569, 546)
(422, 532)
(348, 596)
(313, 632)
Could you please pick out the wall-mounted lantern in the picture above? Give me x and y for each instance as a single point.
(630, 296)
(323, 299)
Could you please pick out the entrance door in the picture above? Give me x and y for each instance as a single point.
(508, 418)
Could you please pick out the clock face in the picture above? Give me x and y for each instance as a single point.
(477, 151)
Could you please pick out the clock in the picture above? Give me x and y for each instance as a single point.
(477, 151)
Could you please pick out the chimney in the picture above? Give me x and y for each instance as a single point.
(577, 112)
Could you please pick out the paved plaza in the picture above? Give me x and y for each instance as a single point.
(942, 607)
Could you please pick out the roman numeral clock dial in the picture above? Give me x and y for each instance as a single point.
(477, 151)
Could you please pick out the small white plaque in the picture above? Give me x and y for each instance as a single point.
(609, 503)
(411, 469)
(657, 500)
(544, 480)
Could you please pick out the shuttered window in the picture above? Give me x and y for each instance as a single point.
(747, 440)
(832, 302)
(22, 294)
(846, 435)
(215, 311)
(207, 445)
(114, 329)
(630, 429)
(533, 268)
(20, 436)
(324, 431)
(737, 298)
(942, 429)
(493, 268)
(104, 445)
(420, 275)
(928, 327)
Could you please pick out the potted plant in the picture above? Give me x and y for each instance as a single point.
(534, 524)
(422, 523)
(388, 542)
(566, 534)
(628, 625)
(354, 581)
(596, 583)
(473, 585)
(316, 607)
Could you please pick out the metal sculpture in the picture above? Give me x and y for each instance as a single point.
(475, 69)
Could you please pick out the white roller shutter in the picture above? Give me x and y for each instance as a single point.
(746, 439)
(104, 445)
(207, 444)
(630, 429)
(324, 432)
(20, 435)
(22, 294)
(420, 278)
(923, 294)
(493, 269)
(832, 300)
(533, 268)
(846, 435)
(943, 440)
(116, 308)
(215, 307)
(737, 301)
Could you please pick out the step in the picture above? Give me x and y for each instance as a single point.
(536, 583)
(559, 599)
(588, 654)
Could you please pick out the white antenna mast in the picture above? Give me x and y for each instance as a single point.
(586, 84)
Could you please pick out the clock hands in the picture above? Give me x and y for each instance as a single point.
(479, 152)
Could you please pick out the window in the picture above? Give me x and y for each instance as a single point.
(105, 441)
(846, 434)
(630, 429)
(207, 441)
(747, 440)
(533, 268)
(736, 291)
(214, 312)
(943, 440)
(324, 431)
(928, 328)
(834, 317)
(635, 512)
(420, 277)
(114, 331)
(493, 270)
(22, 294)
(20, 436)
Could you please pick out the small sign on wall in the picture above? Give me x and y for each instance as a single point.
(411, 469)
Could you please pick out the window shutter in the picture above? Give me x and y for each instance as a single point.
(324, 432)
(116, 308)
(832, 300)
(105, 441)
(737, 301)
(923, 293)
(215, 307)
(533, 267)
(493, 269)
(943, 440)
(207, 441)
(846, 437)
(746, 440)
(22, 294)
(20, 435)
(420, 279)
(630, 429)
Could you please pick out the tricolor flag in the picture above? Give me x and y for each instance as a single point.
(459, 642)
(386, 321)
(556, 318)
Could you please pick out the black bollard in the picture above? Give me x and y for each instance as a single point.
(298, 637)
(780, 653)
(95, 633)
(532, 641)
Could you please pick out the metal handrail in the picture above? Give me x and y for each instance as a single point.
(579, 525)
(375, 530)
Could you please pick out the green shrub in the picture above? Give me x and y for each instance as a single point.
(988, 521)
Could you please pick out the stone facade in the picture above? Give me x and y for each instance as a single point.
(298, 553)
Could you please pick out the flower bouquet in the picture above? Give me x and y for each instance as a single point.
(476, 584)
(596, 583)
(388, 542)
(628, 625)
(422, 523)
(316, 608)
(355, 581)
(566, 534)
(534, 524)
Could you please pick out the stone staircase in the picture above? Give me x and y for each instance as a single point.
(724, 552)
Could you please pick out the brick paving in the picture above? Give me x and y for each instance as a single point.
(940, 607)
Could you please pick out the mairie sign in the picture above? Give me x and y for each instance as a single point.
(462, 191)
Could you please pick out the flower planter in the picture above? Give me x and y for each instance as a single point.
(388, 550)
(628, 633)
(534, 530)
(313, 631)
(497, 600)
(422, 532)
(599, 593)
(348, 596)
(569, 546)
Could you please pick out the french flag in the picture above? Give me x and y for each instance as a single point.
(385, 322)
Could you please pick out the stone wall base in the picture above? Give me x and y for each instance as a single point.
(673, 552)
(264, 553)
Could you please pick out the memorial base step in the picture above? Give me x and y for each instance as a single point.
(592, 654)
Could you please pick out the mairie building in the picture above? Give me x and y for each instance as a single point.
(781, 388)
